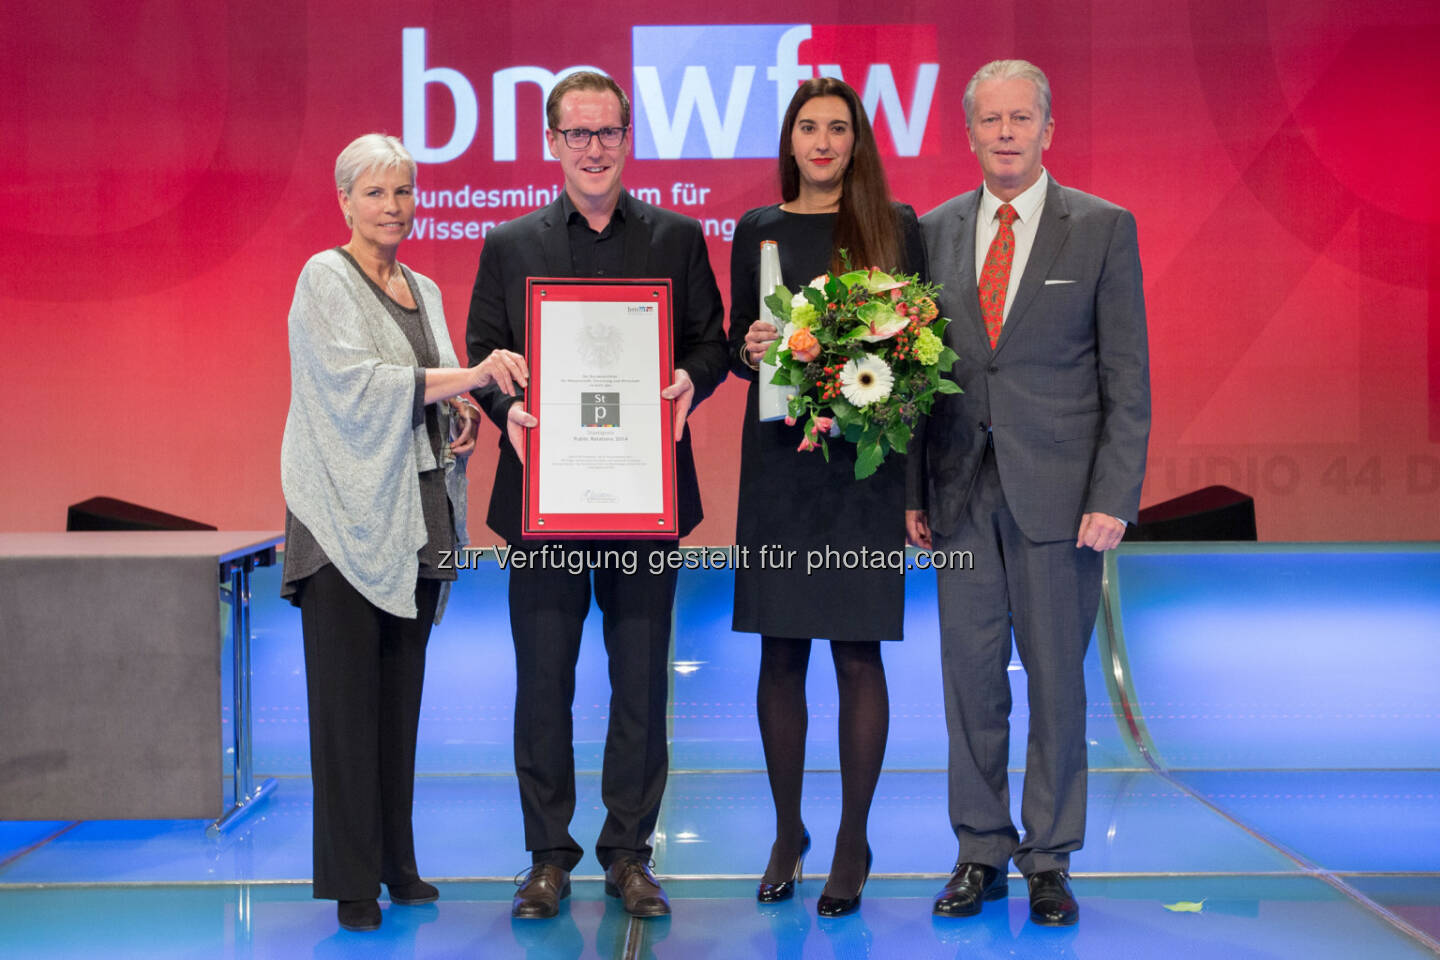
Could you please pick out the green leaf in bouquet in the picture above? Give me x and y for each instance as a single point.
(868, 457)
(898, 433)
(850, 421)
(948, 386)
(853, 277)
(772, 352)
(779, 304)
(947, 360)
(782, 377)
(816, 298)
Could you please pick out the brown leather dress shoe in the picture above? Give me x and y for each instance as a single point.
(632, 881)
(968, 888)
(1051, 902)
(540, 893)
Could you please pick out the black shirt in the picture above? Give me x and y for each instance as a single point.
(596, 254)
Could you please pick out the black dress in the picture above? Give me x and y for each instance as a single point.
(813, 515)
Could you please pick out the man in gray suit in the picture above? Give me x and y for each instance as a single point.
(1035, 469)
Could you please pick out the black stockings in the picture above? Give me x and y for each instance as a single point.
(864, 726)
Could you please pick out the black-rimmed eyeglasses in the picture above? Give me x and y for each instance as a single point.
(578, 138)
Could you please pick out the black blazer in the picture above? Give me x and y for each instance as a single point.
(658, 243)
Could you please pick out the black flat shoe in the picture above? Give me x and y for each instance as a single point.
(828, 906)
(414, 892)
(1051, 902)
(360, 916)
(768, 892)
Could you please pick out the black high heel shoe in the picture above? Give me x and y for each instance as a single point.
(768, 892)
(828, 906)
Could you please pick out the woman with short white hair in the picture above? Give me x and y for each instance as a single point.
(373, 470)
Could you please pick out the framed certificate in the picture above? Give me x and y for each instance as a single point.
(601, 462)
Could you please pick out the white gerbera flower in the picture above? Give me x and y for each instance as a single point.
(866, 381)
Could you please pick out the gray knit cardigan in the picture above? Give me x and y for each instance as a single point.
(351, 456)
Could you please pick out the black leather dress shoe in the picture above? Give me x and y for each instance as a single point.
(540, 893)
(632, 881)
(414, 892)
(1051, 902)
(968, 888)
(358, 915)
(828, 906)
(768, 892)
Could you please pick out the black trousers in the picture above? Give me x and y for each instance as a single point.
(364, 669)
(547, 611)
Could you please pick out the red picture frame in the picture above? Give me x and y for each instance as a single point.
(600, 519)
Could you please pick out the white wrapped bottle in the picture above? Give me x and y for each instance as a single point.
(774, 400)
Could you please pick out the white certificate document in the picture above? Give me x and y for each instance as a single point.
(600, 432)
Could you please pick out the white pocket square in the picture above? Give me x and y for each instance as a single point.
(1052, 282)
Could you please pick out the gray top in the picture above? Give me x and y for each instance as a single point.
(352, 439)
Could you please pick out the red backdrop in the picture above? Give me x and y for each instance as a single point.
(167, 168)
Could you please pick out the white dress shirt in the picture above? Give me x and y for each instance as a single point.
(1028, 207)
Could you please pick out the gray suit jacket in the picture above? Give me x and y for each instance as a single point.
(1066, 390)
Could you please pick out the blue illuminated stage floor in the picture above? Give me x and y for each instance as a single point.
(1274, 792)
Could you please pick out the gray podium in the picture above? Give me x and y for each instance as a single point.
(111, 676)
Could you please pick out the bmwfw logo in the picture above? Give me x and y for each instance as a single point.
(705, 92)
(721, 91)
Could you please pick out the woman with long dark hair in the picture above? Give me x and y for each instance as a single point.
(835, 198)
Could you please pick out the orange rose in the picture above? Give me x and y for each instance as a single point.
(803, 345)
(928, 310)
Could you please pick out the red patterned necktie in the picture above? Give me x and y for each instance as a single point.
(995, 275)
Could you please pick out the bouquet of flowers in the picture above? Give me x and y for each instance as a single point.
(865, 354)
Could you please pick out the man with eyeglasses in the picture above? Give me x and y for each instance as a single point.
(594, 229)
